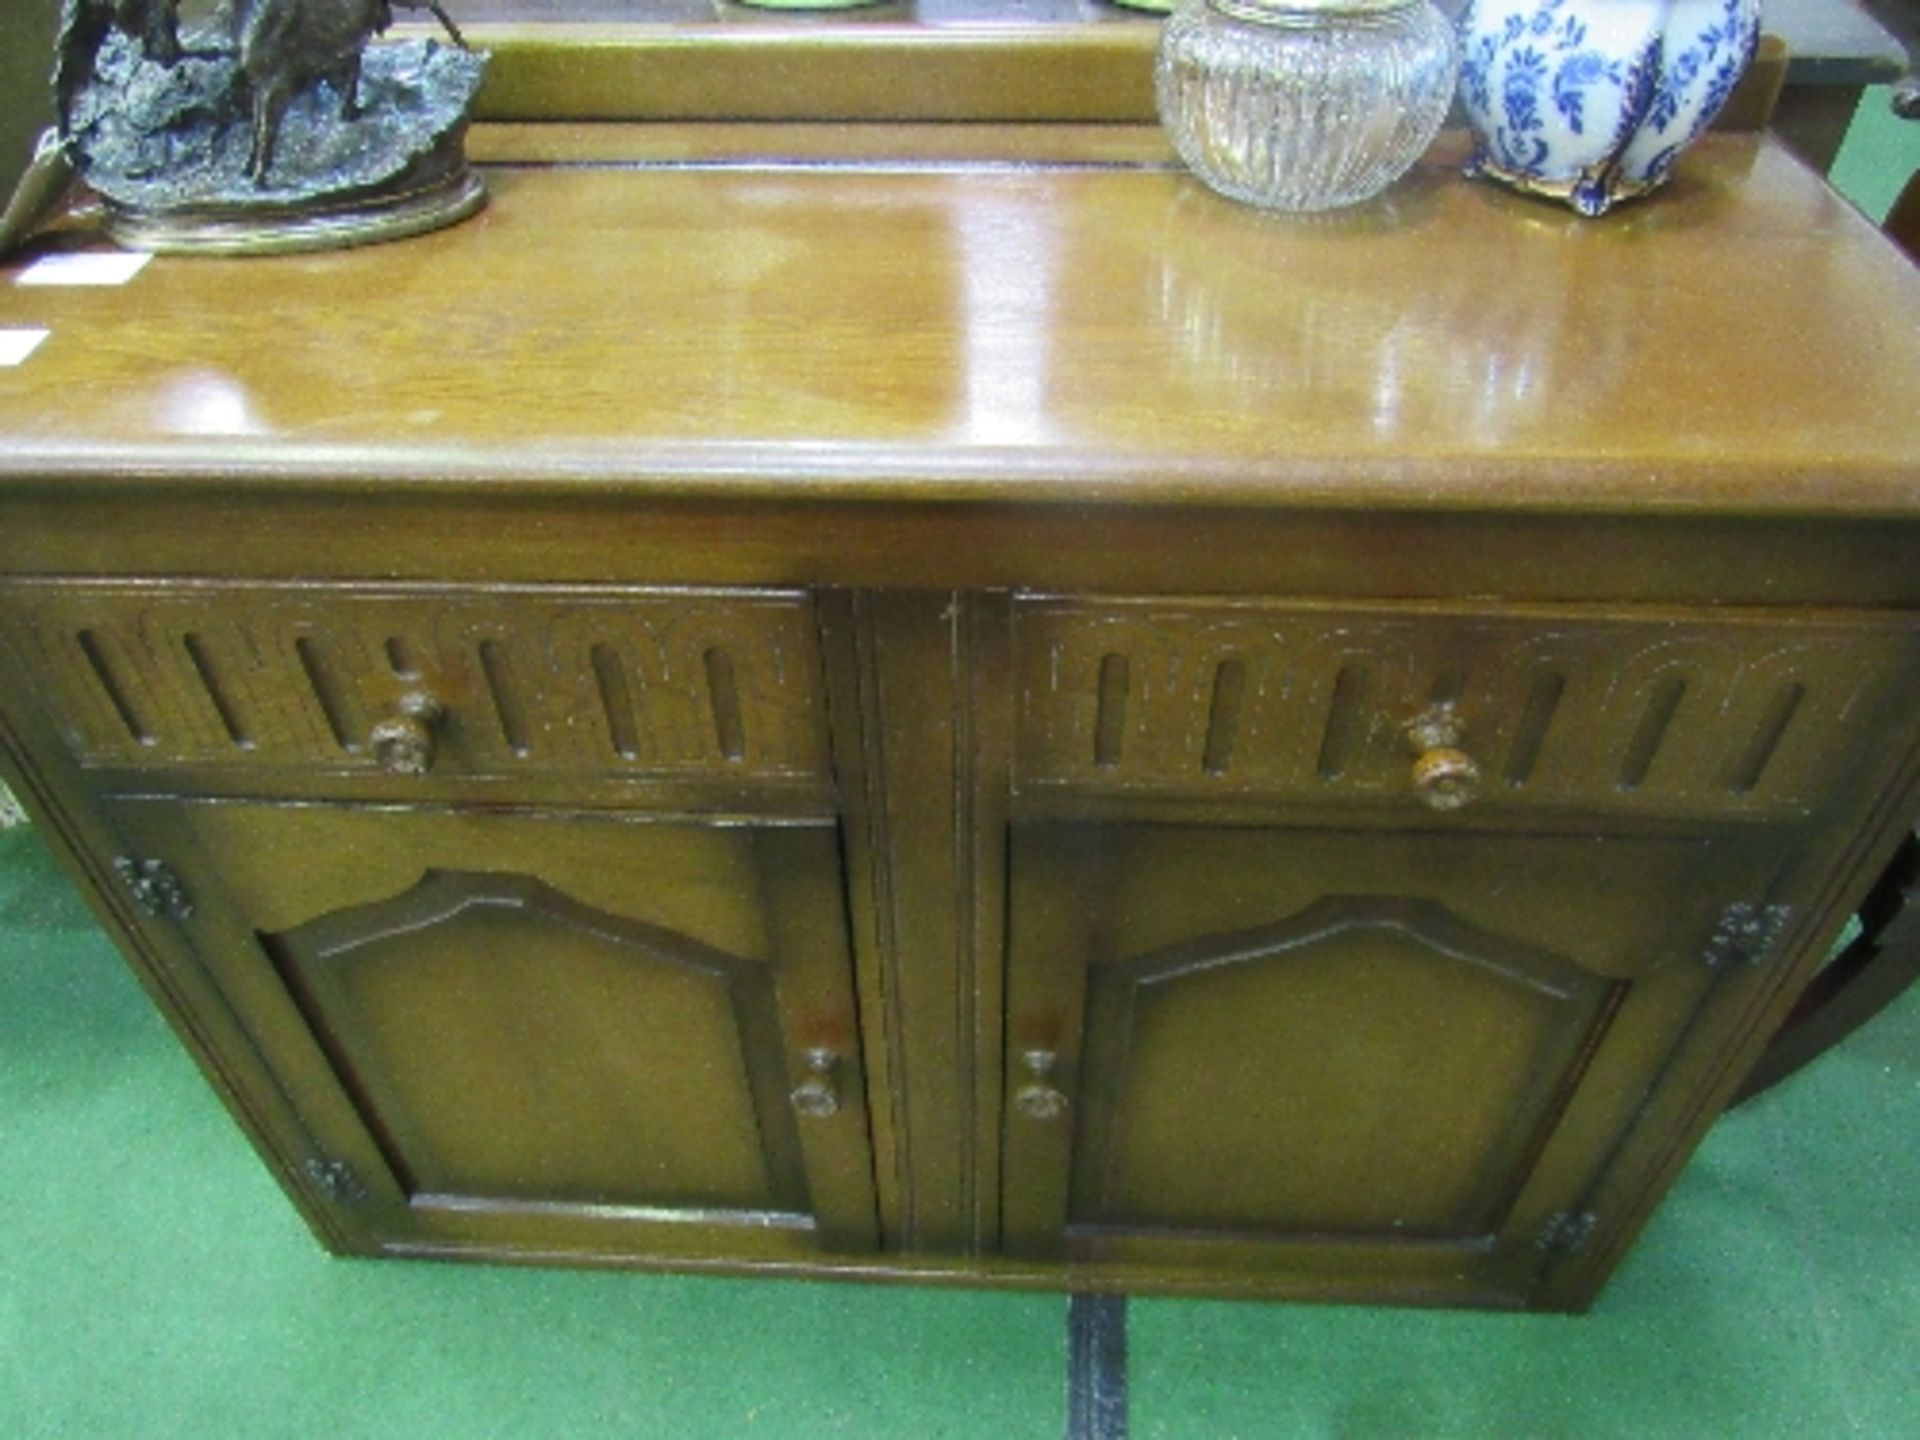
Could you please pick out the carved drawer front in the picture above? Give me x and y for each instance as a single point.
(1552, 707)
(611, 682)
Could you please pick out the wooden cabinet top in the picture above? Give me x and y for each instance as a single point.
(1012, 315)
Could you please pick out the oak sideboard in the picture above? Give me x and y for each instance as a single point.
(941, 703)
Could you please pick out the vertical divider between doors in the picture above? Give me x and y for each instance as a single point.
(860, 776)
(918, 694)
(987, 779)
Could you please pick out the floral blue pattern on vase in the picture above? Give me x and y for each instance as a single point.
(1590, 101)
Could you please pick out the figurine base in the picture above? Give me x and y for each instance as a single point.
(366, 219)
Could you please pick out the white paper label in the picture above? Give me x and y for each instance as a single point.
(17, 345)
(90, 267)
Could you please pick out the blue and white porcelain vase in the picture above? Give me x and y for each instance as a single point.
(1590, 101)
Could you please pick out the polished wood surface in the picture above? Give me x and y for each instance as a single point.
(812, 699)
(851, 67)
(567, 1032)
(1262, 1033)
(988, 333)
(1063, 61)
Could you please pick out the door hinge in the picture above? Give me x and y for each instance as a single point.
(154, 887)
(1567, 1232)
(1745, 933)
(336, 1180)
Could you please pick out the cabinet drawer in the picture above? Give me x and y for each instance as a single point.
(593, 682)
(1681, 713)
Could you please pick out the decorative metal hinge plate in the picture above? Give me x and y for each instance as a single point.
(1746, 933)
(336, 1180)
(1567, 1232)
(154, 887)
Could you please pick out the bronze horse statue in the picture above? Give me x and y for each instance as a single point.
(280, 48)
(84, 25)
(286, 45)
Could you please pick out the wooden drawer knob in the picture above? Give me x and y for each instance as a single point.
(817, 1097)
(405, 744)
(1445, 776)
(1041, 1100)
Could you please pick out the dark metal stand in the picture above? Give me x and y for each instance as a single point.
(1097, 1367)
(1858, 983)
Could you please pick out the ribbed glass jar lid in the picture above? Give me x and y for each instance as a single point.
(1303, 104)
(1281, 12)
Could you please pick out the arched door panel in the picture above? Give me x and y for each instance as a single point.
(1394, 1053)
(504, 1042)
(541, 1034)
(1370, 1066)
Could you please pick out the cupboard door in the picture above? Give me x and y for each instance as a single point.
(1368, 1058)
(515, 1033)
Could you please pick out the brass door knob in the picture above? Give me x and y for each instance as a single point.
(406, 743)
(1041, 1100)
(817, 1096)
(1445, 776)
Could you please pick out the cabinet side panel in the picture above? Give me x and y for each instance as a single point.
(1818, 889)
(34, 766)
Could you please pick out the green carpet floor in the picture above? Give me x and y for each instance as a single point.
(154, 1282)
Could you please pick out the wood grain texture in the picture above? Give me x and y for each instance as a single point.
(933, 896)
(540, 1029)
(844, 143)
(1063, 61)
(599, 682)
(1282, 1041)
(84, 841)
(1823, 883)
(1022, 337)
(1670, 713)
(975, 583)
(851, 68)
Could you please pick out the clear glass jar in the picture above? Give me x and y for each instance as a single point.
(1304, 104)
